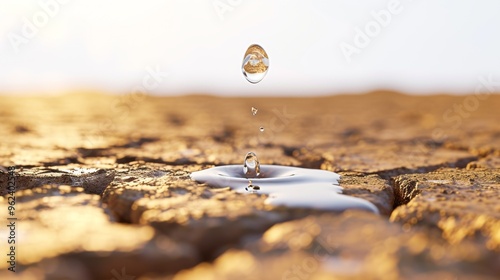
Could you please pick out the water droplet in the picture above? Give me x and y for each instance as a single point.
(252, 188)
(251, 165)
(255, 64)
(261, 129)
(254, 111)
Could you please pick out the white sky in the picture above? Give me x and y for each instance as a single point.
(430, 46)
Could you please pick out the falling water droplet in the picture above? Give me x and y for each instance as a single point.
(255, 64)
(251, 165)
(261, 129)
(254, 111)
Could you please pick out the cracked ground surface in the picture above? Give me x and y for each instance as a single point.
(103, 187)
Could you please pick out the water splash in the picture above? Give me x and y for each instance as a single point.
(255, 64)
(251, 165)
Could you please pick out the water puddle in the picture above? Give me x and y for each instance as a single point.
(285, 185)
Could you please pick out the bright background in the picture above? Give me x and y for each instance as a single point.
(106, 45)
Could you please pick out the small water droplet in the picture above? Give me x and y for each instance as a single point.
(261, 129)
(251, 165)
(254, 111)
(252, 188)
(255, 64)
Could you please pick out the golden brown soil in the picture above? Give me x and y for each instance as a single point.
(103, 187)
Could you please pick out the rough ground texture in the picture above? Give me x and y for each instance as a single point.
(103, 187)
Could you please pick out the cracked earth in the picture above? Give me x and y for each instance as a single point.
(103, 187)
